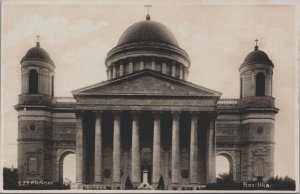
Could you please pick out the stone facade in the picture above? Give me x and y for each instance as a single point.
(146, 116)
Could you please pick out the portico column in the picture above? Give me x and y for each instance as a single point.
(135, 151)
(116, 148)
(194, 148)
(80, 143)
(211, 151)
(175, 148)
(98, 148)
(156, 148)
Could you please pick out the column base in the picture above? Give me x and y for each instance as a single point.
(154, 185)
(185, 187)
(96, 186)
(76, 186)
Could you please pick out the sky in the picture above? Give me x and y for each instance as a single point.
(216, 36)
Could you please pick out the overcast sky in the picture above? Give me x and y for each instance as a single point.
(216, 37)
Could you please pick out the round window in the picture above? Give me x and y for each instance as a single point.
(32, 127)
(259, 130)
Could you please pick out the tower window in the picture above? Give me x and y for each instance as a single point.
(33, 82)
(259, 168)
(260, 84)
(32, 165)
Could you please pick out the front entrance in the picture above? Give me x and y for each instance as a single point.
(149, 169)
(146, 163)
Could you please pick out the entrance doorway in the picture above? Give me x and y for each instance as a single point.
(149, 169)
(69, 164)
(225, 166)
(146, 163)
(66, 166)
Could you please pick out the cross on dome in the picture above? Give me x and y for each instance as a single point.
(148, 7)
(37, 41)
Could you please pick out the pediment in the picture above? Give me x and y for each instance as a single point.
(146, 82)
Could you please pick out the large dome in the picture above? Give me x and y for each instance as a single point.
(147, 45)
(257, 57)
(37, 53)
(147, 31)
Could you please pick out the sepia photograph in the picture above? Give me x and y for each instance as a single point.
(149, 96)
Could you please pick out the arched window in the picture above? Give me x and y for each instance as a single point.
(260, 84)
(32, 165)
(33, 82)
(52, 85)
(259, 168)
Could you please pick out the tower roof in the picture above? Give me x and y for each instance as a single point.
(37, 53)
(257, 57)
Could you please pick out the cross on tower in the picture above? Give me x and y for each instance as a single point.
(256, 47)
(148, 7)
(37, 41)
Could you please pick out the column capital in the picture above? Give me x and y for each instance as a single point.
(135, 113)
(212, 115)
(157, 114)
(194, 113)
(175, 113)
(98, 113)
(116, 112)
(79, 113)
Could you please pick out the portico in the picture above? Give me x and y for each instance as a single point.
(164, 123)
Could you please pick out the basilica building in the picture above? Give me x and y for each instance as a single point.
(146, 117)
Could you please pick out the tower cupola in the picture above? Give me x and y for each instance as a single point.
(37, 72)
(256, 74)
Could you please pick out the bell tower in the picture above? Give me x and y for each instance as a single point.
(256, 74)
(34, 115)
(257, 116)
(37, 72)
